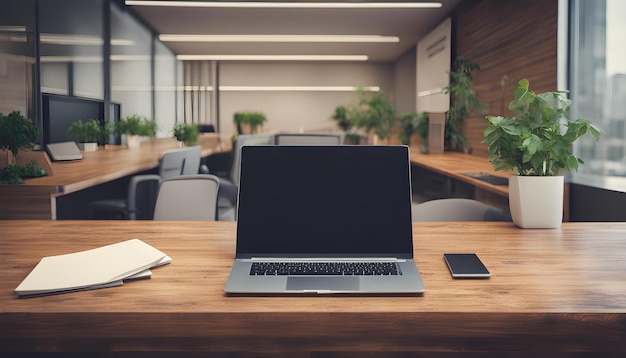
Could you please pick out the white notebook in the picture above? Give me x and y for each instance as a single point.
(96, 268)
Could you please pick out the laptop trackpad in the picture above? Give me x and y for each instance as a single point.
(322, 283)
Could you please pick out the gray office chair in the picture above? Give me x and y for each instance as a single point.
(229, 186)
(188, 197)
(142, 189)
(307, 139)
(457, 209)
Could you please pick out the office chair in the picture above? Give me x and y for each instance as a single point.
(457, 209)
(188, 197)
(229, 185)
(307, 139)
(142, 189)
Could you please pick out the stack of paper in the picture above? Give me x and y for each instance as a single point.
(105, 266)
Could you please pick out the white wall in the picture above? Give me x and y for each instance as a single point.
(433, 69)
(404, 75)
(295, 111)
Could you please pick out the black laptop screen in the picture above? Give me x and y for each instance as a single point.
(327, 200)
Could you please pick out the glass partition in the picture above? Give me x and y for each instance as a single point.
(71, 37)
(131, 65)
(164, 89)
(17, 57)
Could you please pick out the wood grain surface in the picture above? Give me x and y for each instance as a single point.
(557, 290)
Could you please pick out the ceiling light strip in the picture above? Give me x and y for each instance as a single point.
(272, 57)
(277, 38)
(291, 5)
(297, 88)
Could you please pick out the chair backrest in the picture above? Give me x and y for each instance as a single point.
(457, 209)
(307, 139)
(188, 197)
(245, 139)
(180, 161)
(141, 196)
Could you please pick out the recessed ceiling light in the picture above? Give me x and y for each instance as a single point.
(304, 5)
(277, 38)
(272, 57)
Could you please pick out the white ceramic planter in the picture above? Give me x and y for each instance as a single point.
(536, 202)
(88, 147)
(133, 141)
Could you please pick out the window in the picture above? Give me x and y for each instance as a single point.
(597, 81)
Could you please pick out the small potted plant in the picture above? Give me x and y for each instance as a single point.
(135, 127)
(17, 133)
(376, 113)
(88, 133)
(186, 134)
(421, 127)
(250, 120)
(536, 144)
(17, 137)
(344, 121)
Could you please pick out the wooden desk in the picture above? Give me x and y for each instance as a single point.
(551, 291)
(453, 166)
(37, 198)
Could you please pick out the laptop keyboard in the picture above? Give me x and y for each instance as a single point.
(325, 268)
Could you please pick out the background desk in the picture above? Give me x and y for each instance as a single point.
(449, 179)
(551, 290)
(40, 198)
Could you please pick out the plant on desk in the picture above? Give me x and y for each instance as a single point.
(345, 122)
(89, 133)
(413, 123)
(537, 144)
(186, 134)
(376, 113)
(135, 127)
(249, 122)
(17, 133)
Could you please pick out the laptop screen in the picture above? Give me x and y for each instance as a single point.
(324, 200)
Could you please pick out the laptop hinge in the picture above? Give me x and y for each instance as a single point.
(327, 259)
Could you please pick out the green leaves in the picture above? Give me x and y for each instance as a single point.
(538, 139)
(91, 131)
(137, 125)
(187, 133)
(17, 132)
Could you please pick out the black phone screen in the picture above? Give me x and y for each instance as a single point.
(466, 266)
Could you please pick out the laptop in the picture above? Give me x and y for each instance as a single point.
(64, 151)
(324, 220)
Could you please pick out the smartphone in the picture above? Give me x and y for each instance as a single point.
(466, 266)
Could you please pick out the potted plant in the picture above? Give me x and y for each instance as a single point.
(421, 128)
(17, 137)
(408, 123)
(536, 143)
(88, 133)
(376, 112)
(344, 121)
(251, 120)
(17, 132)
(135, 127)
(463, 102)
(186, 134)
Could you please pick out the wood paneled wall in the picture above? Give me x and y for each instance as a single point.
(510, 38)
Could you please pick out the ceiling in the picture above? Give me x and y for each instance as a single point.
(408, 24)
